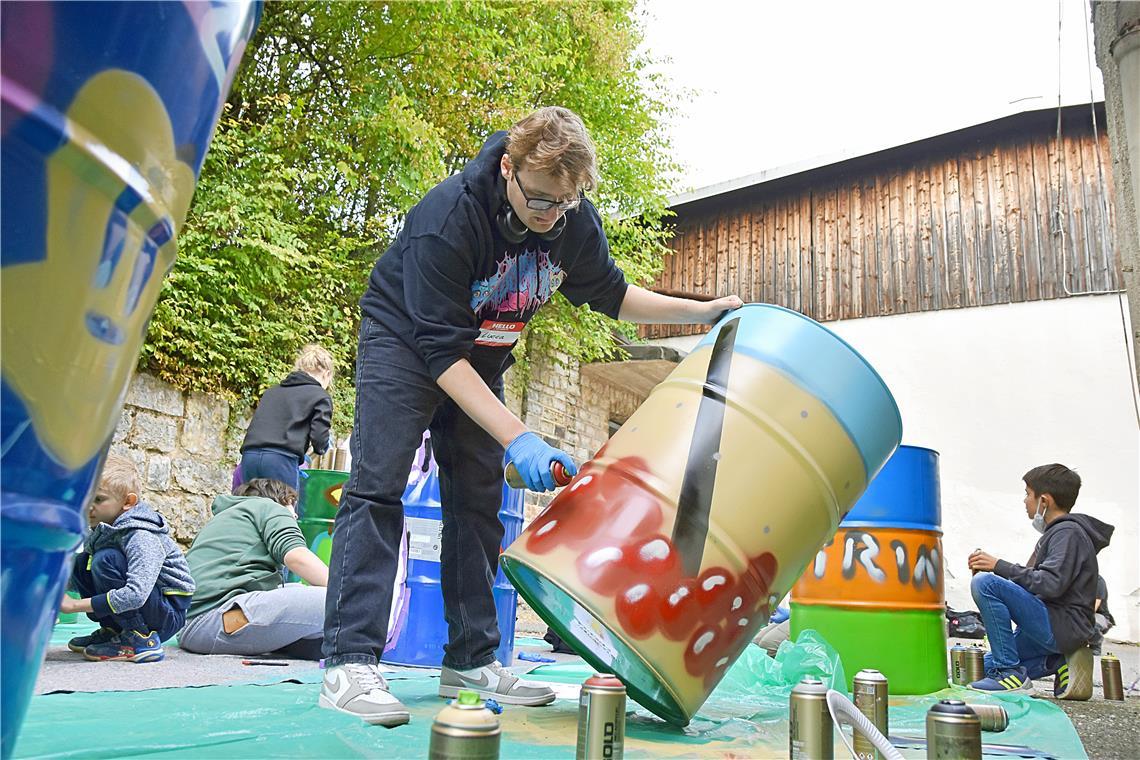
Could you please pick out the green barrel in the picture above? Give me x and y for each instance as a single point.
(320, 494)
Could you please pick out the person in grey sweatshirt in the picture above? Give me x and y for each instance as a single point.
(133, 579)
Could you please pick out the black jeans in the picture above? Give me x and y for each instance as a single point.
(396, 400)
(105, 571)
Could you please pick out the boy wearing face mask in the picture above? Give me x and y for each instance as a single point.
(1050, 598)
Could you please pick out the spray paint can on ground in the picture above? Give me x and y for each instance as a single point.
(975, 658)
(601, 719)
(810, 730)
(870, 692)
(958, 665)
(1111, 679)
(992, 717)
(465, 730)
(514, 480)
(953, 732)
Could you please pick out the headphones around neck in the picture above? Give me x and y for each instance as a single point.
(515, 231)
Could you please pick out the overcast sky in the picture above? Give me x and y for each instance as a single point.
(776, 82)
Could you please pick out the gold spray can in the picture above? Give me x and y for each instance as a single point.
(975, 658)
(958, 665)
(992, 717)
(870, 692)
(810, 730)
(953, 732)
(465, 730)
(1111, 679)
(601, 719)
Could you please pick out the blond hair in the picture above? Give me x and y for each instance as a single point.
(120, 476)
(554, 141)
(314, 359)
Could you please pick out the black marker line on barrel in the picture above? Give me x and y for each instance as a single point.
(692, 525)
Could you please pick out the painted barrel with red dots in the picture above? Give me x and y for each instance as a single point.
(664, 556)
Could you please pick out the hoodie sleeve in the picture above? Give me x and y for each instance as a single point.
(595, 277)
(145, 554)
(320, 424)
(437, 297)
(280, 532)
(1056, 570)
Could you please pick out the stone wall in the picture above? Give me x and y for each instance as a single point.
(185, 446)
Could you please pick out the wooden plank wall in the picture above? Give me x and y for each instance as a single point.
(1019, 220)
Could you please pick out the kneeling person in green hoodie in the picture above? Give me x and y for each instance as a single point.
(241, 606)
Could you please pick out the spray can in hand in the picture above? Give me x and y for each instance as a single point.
(557, 469)
(465, 730)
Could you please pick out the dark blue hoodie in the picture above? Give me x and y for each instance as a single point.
(452, 287)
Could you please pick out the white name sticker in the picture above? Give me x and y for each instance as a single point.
(493, 333)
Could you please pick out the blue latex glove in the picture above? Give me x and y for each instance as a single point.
(533, 456)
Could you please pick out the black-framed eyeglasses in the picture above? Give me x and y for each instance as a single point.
(542, 204)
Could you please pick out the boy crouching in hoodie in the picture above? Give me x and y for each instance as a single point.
(1050, 598)
(133, 578)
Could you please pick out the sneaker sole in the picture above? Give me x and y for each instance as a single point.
(451, 692)
(77, 650)
(388, 720)
(1026, 688)
(143, 657)
(1080, 686)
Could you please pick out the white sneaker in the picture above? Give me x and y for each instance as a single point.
(494, 682)
(360, 690)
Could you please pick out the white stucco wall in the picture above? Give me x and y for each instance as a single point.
(1000, 389)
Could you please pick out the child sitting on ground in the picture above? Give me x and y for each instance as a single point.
(1051, 599)
(132, 577)
(241, 606)
(290, 417)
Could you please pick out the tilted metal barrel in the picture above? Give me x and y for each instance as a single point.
(663, 558)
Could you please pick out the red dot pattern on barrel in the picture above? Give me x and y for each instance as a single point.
(629, 557)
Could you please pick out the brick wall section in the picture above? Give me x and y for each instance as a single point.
(570, 412)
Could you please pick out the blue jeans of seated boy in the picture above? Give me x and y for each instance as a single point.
(396, 400)
(274, 464)
(1002, 603)
(161, 613)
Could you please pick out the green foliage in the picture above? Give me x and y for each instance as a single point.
(343, 116)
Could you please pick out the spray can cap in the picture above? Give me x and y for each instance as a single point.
(468, 697)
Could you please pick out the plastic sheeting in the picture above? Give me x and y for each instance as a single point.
(745, 717)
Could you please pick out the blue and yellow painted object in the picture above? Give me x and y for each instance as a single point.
(107, 112)
(668, 551)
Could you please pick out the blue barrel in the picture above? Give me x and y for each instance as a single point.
(107, 112)
(905, 494)
(422, 630)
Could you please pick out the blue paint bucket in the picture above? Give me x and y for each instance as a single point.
(905, 494)
(422, 630)
(107, 112)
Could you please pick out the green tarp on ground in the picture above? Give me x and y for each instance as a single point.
(746, 717)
